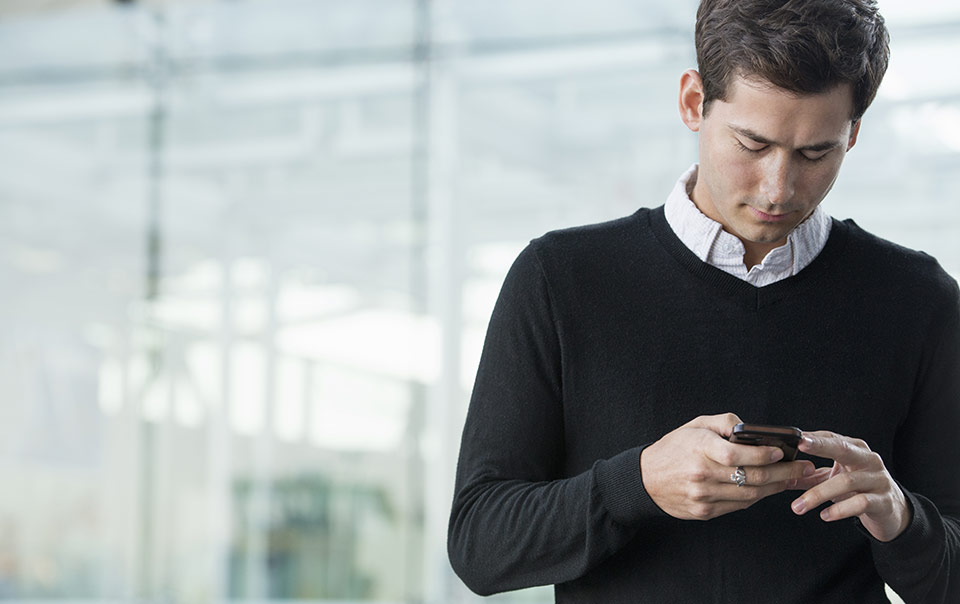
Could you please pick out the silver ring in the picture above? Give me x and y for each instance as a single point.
(739, 477)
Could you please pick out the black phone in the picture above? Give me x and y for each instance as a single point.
(785, 437)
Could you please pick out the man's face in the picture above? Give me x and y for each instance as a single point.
(767, 156)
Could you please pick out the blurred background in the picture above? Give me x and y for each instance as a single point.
(249, 248)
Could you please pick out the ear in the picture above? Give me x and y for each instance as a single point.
(691, 99)
(853, 134)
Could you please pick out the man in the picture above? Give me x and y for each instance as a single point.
(620, 356)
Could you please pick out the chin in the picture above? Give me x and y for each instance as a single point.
(762, 235)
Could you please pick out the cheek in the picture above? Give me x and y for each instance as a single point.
(819, 180)
(741, 175)
(731, 169)
(732, 182)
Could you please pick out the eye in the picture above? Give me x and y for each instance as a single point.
(747, 149)
(814, 160)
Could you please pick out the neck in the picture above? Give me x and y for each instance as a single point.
(755, 252)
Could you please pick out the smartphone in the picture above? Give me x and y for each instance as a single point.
(785, 437)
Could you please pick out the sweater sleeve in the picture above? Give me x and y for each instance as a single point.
(923, 563)
(516, 520)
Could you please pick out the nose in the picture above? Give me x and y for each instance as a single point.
(777, 185)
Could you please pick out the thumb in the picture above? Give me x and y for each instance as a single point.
(722, 424)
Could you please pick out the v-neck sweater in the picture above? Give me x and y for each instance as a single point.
(606, 337)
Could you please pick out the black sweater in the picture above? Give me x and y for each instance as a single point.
(606, 337)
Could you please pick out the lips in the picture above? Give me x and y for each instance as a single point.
(764, 217)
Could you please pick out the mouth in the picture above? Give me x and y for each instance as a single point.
(764, 217)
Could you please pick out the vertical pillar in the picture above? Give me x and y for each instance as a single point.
(444, 258)
(219, 446)
(258, 510)
(157, 79)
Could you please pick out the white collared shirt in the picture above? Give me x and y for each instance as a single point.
(707, 239)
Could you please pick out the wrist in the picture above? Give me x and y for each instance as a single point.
(906, 514)
(901, 517)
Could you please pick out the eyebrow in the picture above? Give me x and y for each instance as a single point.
(824, 146)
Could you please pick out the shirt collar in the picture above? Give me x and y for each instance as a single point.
(706, 238)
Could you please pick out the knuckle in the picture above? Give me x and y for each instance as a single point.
(725, 457)
(697, 493)
(702, 511)
(846, 446)
(875, 459)
(699, 474)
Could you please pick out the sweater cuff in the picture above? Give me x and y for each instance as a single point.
(621, 488)
(909, 556)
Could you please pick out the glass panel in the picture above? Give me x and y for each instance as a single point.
(251, 249)
(72, 264)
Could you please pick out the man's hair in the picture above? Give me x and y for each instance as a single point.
(803, 46)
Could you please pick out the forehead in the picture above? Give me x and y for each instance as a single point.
(783, 115)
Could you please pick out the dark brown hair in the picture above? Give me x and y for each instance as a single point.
(804, 46)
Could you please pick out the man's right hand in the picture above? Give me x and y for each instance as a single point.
(688, 471)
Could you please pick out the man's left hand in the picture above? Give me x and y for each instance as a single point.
(858, 484)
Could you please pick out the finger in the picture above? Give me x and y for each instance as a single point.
(843, 449)
(729, 454)
(747, 494)
(856, 505)
(722, 424)
(838, 488)
(714, 510)
(769, 474)
(808, 482)
(724, 499)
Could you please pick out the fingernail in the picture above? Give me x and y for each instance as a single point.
(798, 506)
(807, 440)
(825, 514)
(809, 470)
(791, 483)
(777, 455)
